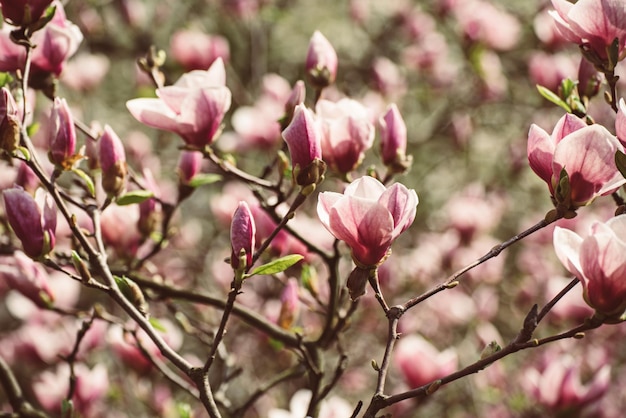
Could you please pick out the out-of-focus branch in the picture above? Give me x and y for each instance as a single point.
(14, 394)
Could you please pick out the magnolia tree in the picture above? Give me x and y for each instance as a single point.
(242, 243)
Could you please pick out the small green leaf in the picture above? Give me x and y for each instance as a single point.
(32, 129)
(203, 179)
(136, 196)
(88, 181)
(276, 266)
(5, 78)
(552, 97)
(67, 408)
(567, 87)
(183, 409)
(620, 162)
(24, 152)
(157, 324)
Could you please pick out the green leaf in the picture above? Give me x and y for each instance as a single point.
(32, 129)
(136, 196)
(67, 409)
(203, 179)
(567, 87)
(5, 78)
(620, 162)
(88, 181)
(550, 96)
(157, 324)
(24, 152)
(276, 266)
(183, 409)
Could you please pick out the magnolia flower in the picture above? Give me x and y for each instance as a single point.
(558, 387)
(599, 262)
(346, 133)
(586, 153)
(196, 50)
(368, 217)
(593, 24)
(33, 220)
(193, 107)
(421, 363)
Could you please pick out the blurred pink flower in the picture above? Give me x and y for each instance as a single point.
(599, 262)
(346, 133)
(421, 363)
(388, 79)
(482, 22)
(27, 277)
(196, 50)
(333, 407)
(119, 229)
(549, 70)
(594, 23)
(368, 217)
(546, 31)
(193, 107)
(321, 61)
(587, 154)
(258, 125)
(51, 388)
(75, 77)
(33, 220)
(558, 386)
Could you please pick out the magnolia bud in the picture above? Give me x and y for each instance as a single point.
(112, 162)
(303, 137)
(9, 122)
(33, 221)
(290, 307)
(321, 61)
(393, 140)
(61, 134)
(242, 236)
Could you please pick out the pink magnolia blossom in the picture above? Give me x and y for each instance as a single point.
(27, 277)
(594, 23)
(599, 262)
(346, 133)
(33, 220)
(193, 107)
(585, 152)
(421, 363)
(197, 50)
(368, 217)
(321, 61)
(549, 70)
(482, 22)
(558, 387)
